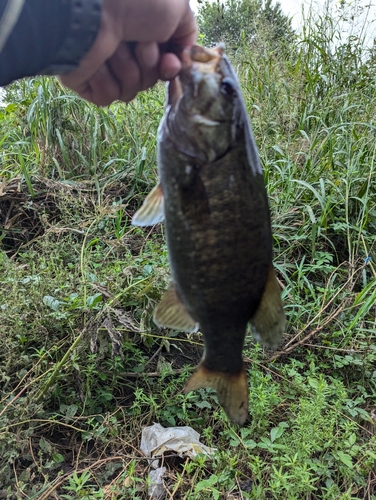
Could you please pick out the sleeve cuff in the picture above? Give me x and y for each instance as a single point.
(84, 25)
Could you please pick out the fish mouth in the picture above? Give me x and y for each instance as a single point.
(196, 60)
(202, 59)
(199, 54)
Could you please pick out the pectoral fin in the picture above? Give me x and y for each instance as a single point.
(152, 210)
(171, 312)
(269, 320)
(232, 390)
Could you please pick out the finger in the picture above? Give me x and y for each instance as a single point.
(127, 72)
(130, 73)
(102, 88)
(147, 57)
(169, 66)
(147, 54)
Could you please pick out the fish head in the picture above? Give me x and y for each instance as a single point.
(206, 109)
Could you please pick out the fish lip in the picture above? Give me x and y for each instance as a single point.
(204, 59)
(204, 55)
(186, 59)
(175, 91)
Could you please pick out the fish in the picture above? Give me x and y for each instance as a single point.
(212, 198)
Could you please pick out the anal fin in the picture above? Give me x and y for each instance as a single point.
(152, 210)
(171, 313)
(269, 321)
(232, 390)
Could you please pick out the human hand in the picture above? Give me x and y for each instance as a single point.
(114, 69)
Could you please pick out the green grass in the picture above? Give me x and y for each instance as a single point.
(82, 366)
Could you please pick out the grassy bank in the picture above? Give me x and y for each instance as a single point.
(82, 366)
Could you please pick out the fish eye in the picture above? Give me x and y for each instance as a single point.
(228, 87)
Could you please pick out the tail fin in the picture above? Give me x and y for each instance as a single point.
(232, 390)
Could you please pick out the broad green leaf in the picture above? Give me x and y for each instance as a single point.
(352, 439)
(345, 459)
(51, 302)
(93, 300)
(58, 458)
(275, 433)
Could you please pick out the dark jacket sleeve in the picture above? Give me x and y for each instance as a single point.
(45, 36)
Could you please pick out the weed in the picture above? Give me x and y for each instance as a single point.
(82, 366)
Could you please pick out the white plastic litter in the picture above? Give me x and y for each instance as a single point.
(156, 488)
(156, 440)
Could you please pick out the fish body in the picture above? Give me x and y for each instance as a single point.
(213, 200)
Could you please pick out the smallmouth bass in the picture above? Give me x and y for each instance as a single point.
(213, 200)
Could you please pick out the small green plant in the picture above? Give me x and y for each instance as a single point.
(79, 487)
(120, 224)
